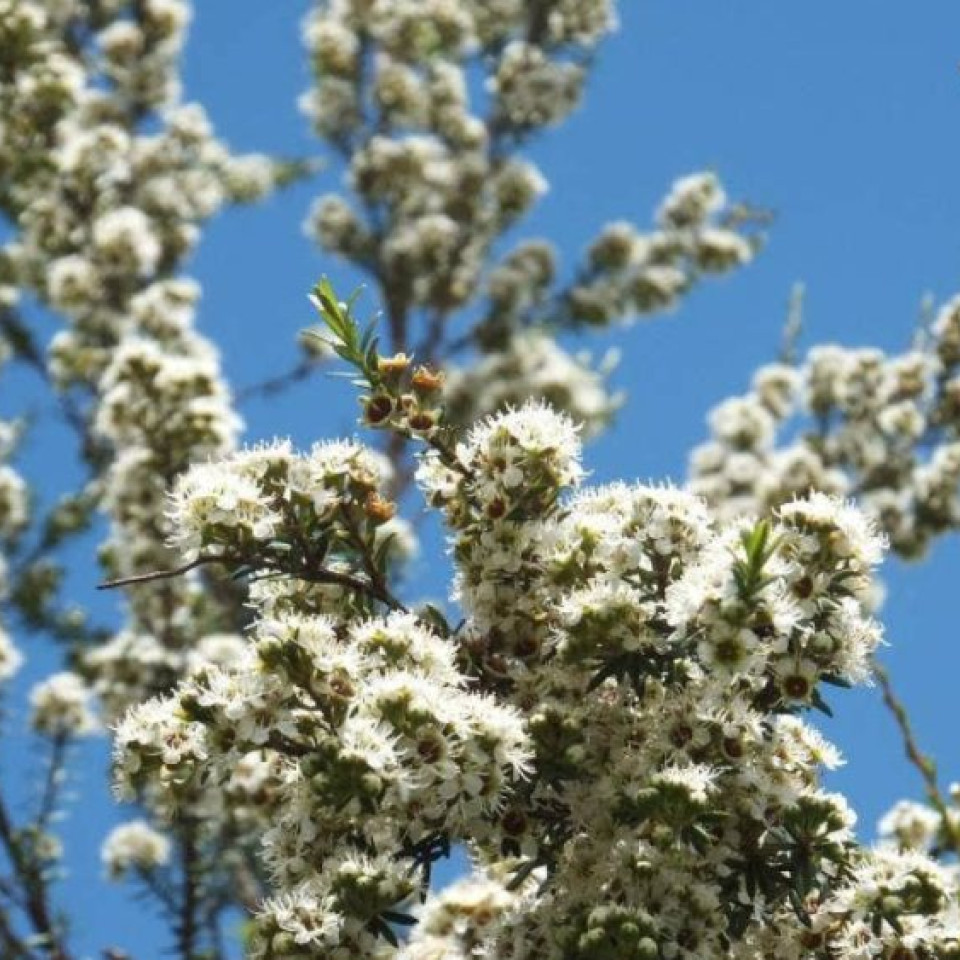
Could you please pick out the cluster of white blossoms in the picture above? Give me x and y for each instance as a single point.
(108, 177)
(134, 846)
(375, 748)
(14, 514)
(533, 364)
(429, 106)
(248, 506)
(62, 707)
(914, 826)
(615, 731)
(885, 429)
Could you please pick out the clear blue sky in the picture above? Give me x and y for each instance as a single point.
(843, 117)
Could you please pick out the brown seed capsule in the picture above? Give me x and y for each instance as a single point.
(514, 822)
(733, 748)
(392, 366)
(496, 508)
(377, 409)
(422, 422)
(796, 687)
(526, 646)
(379, 510)
(426, 381)
(803, 588)
(681, 735)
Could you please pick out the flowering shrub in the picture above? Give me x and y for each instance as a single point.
(614, 724)
(615, 729)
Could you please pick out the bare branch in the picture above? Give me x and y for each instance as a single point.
(160, 574)
(923, 763)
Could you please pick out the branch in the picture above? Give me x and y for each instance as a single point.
(923, 763)
(30, 877)
(54, 778)
(13, 946)
(320, 575)
(161, 574)
(188, 919)
(273, 386)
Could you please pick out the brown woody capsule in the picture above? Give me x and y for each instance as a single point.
(422, 422)
(393, 366)
(379, 510)
(377, 409)
(426, 381)
(496, 509)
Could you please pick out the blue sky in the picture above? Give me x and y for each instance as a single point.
(844, 118)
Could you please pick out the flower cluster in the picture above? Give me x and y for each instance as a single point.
(429, 106)
(630, 273)
(14, 513)
(273, 508)
(62, 707)
(615, 730)
(376, 745)
(884, 428)
(533, 364)
(108, 177)
(134, 845)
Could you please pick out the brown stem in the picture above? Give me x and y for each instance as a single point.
(187, 924)
(162, 574)
(378, 586)
(12, 946)
(48, 801)
(923, 763)
(273, 386)
(320, 575)
(30, 877)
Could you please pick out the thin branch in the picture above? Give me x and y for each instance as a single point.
(13, 946)
(188, 917)
(51, 787)
(273, 386)
(30, 877)
(924, 764)
(320, 575)
(793, 327)
(377, 583)
(161, 574)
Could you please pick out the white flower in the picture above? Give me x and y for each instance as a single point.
(125, 239)
(61, 707)
(135, 844)
(913, 826)
(10, 657)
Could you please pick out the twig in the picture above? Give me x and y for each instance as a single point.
(161, 574)
(793, 327)
(48, 801)
(320, 575)
(378, 585)
(273, 386)
(923, 763)
(188, 920)
(13, 946)
(30, 878)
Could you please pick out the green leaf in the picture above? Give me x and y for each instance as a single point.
(836, 681)
(403, 919)
(433, 615)
(382, 929)
(522, 873)
(820, 704)
(383, 550)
